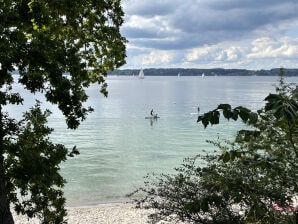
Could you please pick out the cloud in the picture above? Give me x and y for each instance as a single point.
(230, 54)
(201, 53)
(147, 58)
(226, 29)
(272, 48)
(215, 54)
(148, 8)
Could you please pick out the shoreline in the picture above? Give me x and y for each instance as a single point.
(110, 213)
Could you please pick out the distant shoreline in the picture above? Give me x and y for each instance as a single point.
(203, 72)
(289, 72)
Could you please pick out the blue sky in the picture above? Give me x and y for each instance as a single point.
(251, 34)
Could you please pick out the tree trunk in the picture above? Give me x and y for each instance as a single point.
(5, 214)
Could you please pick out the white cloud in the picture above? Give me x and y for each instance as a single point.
(273, 48)
(215, 54)
(229, 54)
(200, 53)
(136, 21)
(157, 57)
(149, 58)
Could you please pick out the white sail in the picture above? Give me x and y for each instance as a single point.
(141, 74)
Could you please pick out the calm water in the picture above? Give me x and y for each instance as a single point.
(119, 146)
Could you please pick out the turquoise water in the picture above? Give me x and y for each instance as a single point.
(119, 146)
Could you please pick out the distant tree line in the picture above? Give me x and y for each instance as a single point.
(206, 72)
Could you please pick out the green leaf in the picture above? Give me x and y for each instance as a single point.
(226, 157)
(215, 117)
(204, 205)
(235, 115)
(273, 97)
(243, 113)
(227, 114)
(224, 107)
(205, 121)
(253, 118)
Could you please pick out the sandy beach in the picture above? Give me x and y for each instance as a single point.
(120, 213)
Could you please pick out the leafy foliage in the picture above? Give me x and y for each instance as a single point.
(58, 48)
(212, 117)
(47, 40)
(32, 166)
(247, 181)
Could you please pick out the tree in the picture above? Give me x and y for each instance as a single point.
(252, 179)
(58, 48)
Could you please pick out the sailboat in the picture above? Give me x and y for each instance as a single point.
(178, 74)
(141, 74)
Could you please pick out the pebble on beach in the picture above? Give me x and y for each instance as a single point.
(103, 214)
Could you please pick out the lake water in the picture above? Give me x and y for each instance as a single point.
(119, 146)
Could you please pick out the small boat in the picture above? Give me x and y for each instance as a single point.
(152, 117)
(141, 74)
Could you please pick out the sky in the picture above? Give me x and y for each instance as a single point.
(246, 34)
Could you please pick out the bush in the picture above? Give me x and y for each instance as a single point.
(252, 179)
